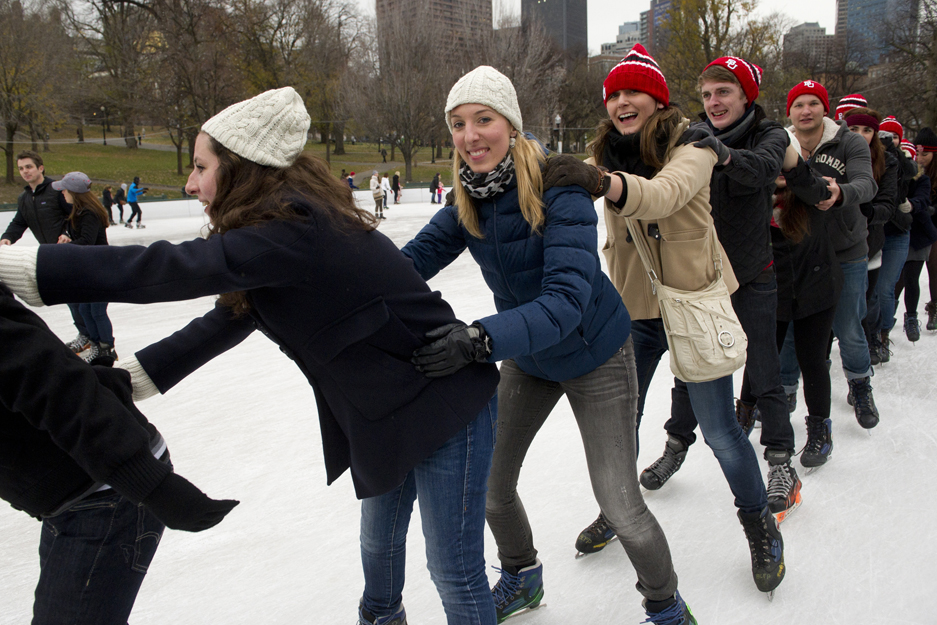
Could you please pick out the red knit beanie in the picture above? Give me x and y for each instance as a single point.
(892, 125)
(909, 147)
(748, 74)
(849, 102)
(812, 87)
(640, 72)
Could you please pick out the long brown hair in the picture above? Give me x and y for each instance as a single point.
(528, 157)
(875, 146)
(792, 216)
(656, 136)
(87, 201)
(248, 194)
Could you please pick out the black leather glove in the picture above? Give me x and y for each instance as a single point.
(450, 197)
(717, 146)
(457, 346)
(694, 134)
(181, 506)
(564, 170)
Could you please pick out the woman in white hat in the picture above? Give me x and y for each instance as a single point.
(561, 329)
(293, 256)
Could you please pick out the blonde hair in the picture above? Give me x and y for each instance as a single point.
(528, 157)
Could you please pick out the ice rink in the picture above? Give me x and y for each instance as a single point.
(858, 550)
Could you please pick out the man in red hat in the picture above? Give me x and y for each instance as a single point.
(740, 195)
(843, 158)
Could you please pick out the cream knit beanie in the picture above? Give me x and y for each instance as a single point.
(269, 129)
(486, 85)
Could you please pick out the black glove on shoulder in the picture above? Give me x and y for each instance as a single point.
(180, 505)
(450, 197)
(456, 346)
(694, 133)
(564, 170)
(717, 146)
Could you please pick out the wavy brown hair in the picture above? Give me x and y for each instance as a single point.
(248, 194)
(875, 146)
(656, 136)
(87, 201)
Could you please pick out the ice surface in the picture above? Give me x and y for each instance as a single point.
(244, 426)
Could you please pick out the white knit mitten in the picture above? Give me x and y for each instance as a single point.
(18, 271)
(905, 207)
(143, 386)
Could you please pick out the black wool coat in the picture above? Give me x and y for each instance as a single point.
(348, 307)
(66, 428)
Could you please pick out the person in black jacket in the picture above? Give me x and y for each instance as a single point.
(740, 195)
(433, 189)
(120, 197)
(107, 199)
(39, 207)
(295, 257)
(76, 454)
(87, 225)
(809, 281)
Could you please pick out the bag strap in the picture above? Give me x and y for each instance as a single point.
(644, 251)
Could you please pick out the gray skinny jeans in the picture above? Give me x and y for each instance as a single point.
(604, 402)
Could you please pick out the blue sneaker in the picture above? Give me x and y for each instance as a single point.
(397, 618)
(677, 614)
(516, 594)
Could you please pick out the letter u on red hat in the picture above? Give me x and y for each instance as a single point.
(813, 88)
(640, 72)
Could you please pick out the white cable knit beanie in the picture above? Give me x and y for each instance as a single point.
(269, 129)
(486, 85)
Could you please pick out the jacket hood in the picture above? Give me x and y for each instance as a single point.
(831, 130)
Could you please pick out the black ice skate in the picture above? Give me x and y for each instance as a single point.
(783, 484)
(863, 403)
(594, 538)
(656, 475)
(819, 443)
(912, 327)
(767, 548)
(79, 344)
(745, 415)
(931, 309)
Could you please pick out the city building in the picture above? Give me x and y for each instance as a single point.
(564, 20)
(807, 43)
(454, 22)
(629, 34)
(650, 22)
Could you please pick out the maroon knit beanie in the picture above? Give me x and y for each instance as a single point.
(640, 72)
(748, 74)
(812, 87)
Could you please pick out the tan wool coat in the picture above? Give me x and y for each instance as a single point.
(677, 201)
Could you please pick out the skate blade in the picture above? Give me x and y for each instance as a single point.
(783, 514)
(542, 604)
(770, 595)
(580, 554)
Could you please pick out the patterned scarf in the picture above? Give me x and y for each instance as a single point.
(483, 186)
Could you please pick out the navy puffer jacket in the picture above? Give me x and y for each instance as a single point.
(559, 316)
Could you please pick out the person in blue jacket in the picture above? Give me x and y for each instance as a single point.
(295, 258)
(561, 328)
(133, 193)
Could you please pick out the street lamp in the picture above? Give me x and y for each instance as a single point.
(104, 124)
(559, 143)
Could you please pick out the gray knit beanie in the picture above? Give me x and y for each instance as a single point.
(486, 85)
(269, 129)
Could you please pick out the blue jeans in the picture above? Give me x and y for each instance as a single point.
(756, 305)
(603, 402)
(847, 327)
(98, 323)
(712, 403)
(451, 485)
(92, 559)
(894, 254)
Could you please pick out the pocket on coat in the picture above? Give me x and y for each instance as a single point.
(686, 262)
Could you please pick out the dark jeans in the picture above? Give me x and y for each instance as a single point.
(756, 305)
(96, 322)
(894, 254)
(711, 402)
(810, 337)
(451, 486)
(93, 558)
(135, 210)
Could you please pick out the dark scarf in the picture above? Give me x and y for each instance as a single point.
(623, 153)
(483, 186)
(739, 129)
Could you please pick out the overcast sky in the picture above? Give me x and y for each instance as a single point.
(605, 16)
